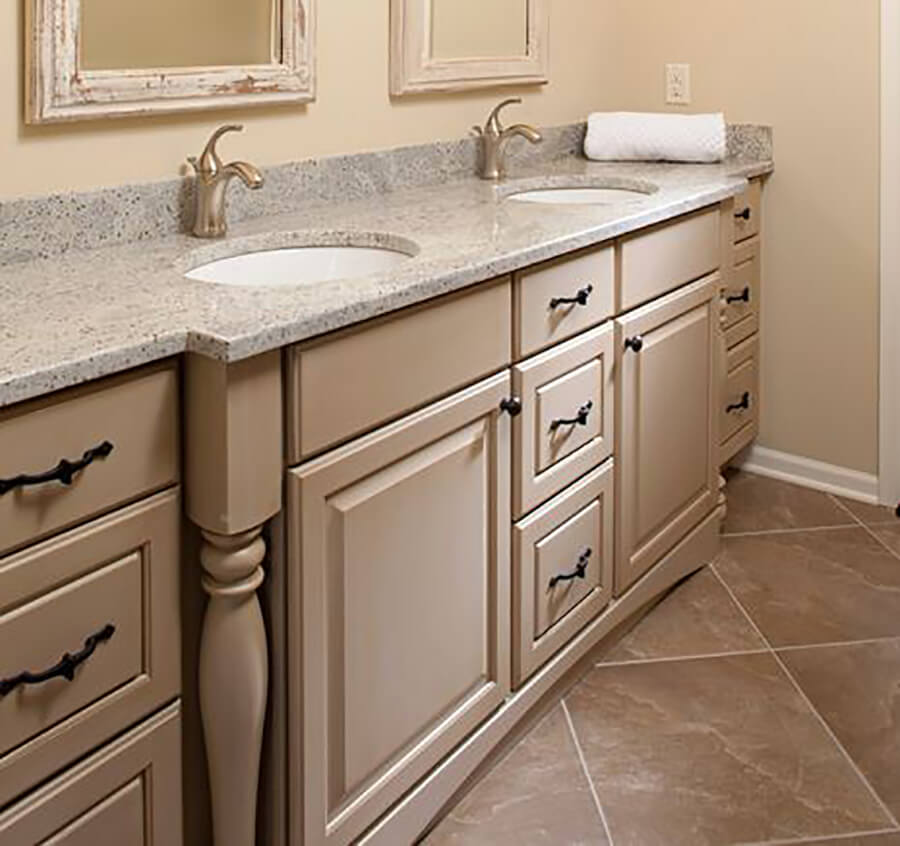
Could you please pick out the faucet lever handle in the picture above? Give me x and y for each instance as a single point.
(209, 162)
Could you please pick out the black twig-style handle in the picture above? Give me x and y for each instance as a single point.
(579, 572)
(743, 297)
(743, 215)
(63, 472)
(743, 405)
(581, 298)
(64, 669)
(580, 419)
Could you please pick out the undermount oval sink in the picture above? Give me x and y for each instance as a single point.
(293, 266)
(579, 196)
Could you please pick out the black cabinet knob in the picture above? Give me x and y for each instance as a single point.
(635, 344)
(511, 406)
(743, 215)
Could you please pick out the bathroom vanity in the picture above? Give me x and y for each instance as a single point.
(445, 504)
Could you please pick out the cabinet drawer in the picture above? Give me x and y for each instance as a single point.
(572, 535)
(747, 209)
(128, 794)
(136, 414)
(116, 581)
(566, 425)
(667, 256)
(740, 301)
(356, 380)
(739, 412)
(542, 318)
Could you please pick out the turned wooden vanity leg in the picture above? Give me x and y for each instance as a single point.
(234, 680)
(234, 475)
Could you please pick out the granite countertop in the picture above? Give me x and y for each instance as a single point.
(90, 313)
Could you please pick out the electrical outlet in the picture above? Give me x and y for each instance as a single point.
(678, 85)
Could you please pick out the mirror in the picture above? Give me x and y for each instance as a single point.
(447, 45)
(100, 58)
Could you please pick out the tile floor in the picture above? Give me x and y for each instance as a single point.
(759, 702)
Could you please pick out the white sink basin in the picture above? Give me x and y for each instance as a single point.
(292, 266)
(579, 196)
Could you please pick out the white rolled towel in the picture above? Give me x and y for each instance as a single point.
(636, 136)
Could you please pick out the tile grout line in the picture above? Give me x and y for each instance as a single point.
(791, 531)
(833, 838)
(837, 643)
(878, 800)
(673, 658)
(584, 768)
(862, 524)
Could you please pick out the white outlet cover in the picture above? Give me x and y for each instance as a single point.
(678, 84)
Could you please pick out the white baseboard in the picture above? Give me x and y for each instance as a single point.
(809, 473)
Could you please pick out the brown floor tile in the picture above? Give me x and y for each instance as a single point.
(890, 839)
(758, 504)
(713, 751)
(815, 587)
(871, 514)
(857, 690)
(536, 795)
(697, 618)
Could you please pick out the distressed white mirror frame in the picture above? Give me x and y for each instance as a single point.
(414, 70)
(59, 90)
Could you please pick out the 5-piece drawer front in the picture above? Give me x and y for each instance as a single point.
(124, 432)
(739, 414)
(566, 425)
(356, 380)
(127, 794)
(740, 301)
(563, 569)
(559, 299)
(747, 210)
(667, 256)
(106, 596)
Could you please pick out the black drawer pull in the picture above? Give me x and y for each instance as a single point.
(581, 419)
(581, 298)
(743, 215)
(743, 297)
(511, 406)
(66, 666)
(63, 472)
(636, 344)
(743, 405)
(579, 572)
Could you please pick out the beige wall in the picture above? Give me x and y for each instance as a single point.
(811, 69)
(353, 111)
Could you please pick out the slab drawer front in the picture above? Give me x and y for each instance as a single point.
(740, 301)
(570, 537)
(566, 424)
(542, 315)
(739, 414)
(127, 794)
(352, 382)
(668, 256)
(60, 597)
(137, 415)
(747, 209)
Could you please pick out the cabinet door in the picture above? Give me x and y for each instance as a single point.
(400, 603)
(667, 472)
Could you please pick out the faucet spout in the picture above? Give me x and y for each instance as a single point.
(248, 174)
(524, 131)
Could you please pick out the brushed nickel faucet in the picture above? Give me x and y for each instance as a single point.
(212, 179)
(494, 138)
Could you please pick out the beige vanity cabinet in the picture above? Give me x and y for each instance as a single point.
(400, 570)
(666, 393)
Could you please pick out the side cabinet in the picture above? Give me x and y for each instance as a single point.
(399, 566)
(668, 473)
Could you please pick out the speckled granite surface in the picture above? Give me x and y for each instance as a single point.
(85, 314)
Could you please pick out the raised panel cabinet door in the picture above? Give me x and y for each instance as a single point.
(667, 479)
(399, 570)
